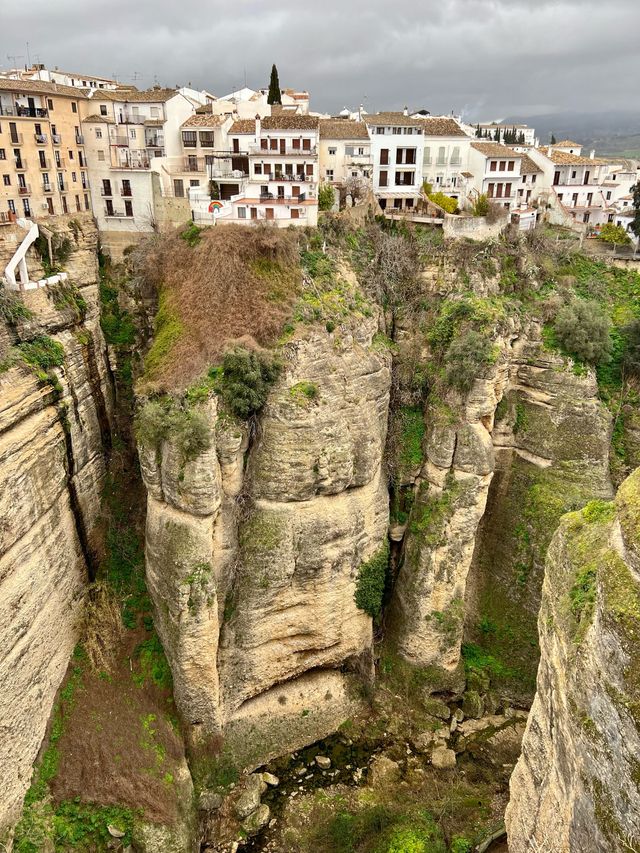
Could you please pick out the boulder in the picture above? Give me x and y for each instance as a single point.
(443, 758)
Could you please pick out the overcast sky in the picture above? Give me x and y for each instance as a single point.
(484, 58)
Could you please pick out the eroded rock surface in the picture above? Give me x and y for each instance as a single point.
(575, 787)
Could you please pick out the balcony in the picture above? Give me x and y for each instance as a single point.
(79, 139)
(455, 161)
(21, 166)
(60, 162)
(119, 214)
(61, 186)
(5, 218)
(41, 138)
(126, 192)
(132, 164)
(16, 138)
(155, 141)
(24, 189)
(206, 141)
(47, 188)
(119, 139)
(286, 152)
(44, 163)
(106, 192)
(289, 199)
(31, 112)
(189, 143)
(56, 139)
(132, 118)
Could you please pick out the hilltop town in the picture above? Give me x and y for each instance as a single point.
(142, 161)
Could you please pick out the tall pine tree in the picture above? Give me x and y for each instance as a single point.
(274, 96)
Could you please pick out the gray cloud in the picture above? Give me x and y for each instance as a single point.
(487, 58)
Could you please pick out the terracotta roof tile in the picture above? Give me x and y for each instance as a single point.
(528, 166)
(567, 143)
(342, 128)
(564, 158)
(441, 126)
(149, 96)
(495, 149)
(390, 119)
(40, 86)
(290, 121)
(96, 119)
(204, 120)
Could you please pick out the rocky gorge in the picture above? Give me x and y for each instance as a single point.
(318, 483)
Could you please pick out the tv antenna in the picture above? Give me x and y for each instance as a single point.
(13, 58)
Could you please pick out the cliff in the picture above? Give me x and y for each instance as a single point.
(55, 407)
(575, 786)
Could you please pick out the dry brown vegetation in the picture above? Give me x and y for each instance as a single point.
(230, 283)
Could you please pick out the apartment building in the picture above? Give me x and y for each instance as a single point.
(495, 172)
(247, 103)
(446, 155)
(43, 164)
(345, 151)
(531, 184)
(572, 182)
(206, 159)
(520, 134)
(86, 82)
(279, 154)
(130, 136)
(397, 148)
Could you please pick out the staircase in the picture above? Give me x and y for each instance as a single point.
(16, 274)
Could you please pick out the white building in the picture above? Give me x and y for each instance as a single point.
(279, 153)
(345, 151)
(446, 155)
(495, 131)
(247, 103)
(86, 82)
(397, 148)
(129, 137)
(495, 171)
(532, 181)
(572, 183)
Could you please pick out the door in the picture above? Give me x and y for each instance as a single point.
(384, 156)
(586, 176)
(282, 146)
(295, 191)
(556, 179)
(254, 212)
(295, 213)
(281, 192)
(236, 146)
(269, 212)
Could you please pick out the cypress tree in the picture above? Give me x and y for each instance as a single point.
(553, 140)
(274, 96)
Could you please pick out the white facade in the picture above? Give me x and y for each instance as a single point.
(446, 155)
(397, 149)
(525, 135)
(572, 183)
(344, 152)
(496, 173)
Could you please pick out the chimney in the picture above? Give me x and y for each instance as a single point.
(258, 127)
(405, 112)
(592, 153)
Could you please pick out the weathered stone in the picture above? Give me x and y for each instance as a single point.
(210, 800)
(383, 771)
(323, 762)
(443, 759)
(270, 779)
(257, 820)
(472, 704)
(436, 708)
(574, 782)
(249, 798)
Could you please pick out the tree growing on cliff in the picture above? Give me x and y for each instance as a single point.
(635, 224)
(274, 96)
(326, 197)
(582, 330)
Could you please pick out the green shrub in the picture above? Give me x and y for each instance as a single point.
(191, 234)
(370, 583)
(583, 593)
(326, 197)
(481, 205)
(460, 844)
(159, 420)
(466, 359)
(12, 308)
(444, 201)
(614, 234)
(631, 347)
(582, 330)
(42, 353)
(246, 379)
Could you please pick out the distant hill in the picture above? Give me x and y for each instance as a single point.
(615, 132)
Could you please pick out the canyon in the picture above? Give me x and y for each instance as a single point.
(328, 527)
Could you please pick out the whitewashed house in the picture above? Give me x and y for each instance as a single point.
(397, 148)
(344, 152)
(446, 155)
(495, 171)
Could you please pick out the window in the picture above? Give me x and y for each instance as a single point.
(43, 159)
(26, 204)
(383, 178)
(574, 199)
(608, 195)
(132, 133)
(50, 209)
(524, 179)
(503, 165)
(379, 130)
(106, 187)
(100, 155)
(334, 151)
(586, 217)
(128, 207)
(109, 207)
(559, 196)
(507, 190)
(12, 205)
(354, 174)
(3, 154)
(86, 201)
(74, 177)
(329, 174)
(573, 173)
(273, 144)
(189, 138)
(78, 205)
(103, 109)
(589, 199)
(126, 187)
(306, 145)
(58, 160)
(6, 180)
(511, 165)
(154, 112)
(533, 179)
(178, 188)
(295, 213)
(65, 207)
(74, 109)
(442, 157)
(258, 169)
(490, 190)
(194, 182)
(309, 169)
(493, 165)
(396, 131)
(242, 213)
(384, 156)
(50, 108)
(70, 155)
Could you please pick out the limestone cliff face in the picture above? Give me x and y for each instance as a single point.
(52, 466)
(575, 787)
(530, 423)
(253, 548)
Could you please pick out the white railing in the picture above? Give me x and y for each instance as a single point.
(18, 263)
